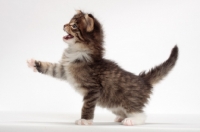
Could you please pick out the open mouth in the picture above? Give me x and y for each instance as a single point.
(67, 37)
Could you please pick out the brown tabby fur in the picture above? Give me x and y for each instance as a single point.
(102, 82)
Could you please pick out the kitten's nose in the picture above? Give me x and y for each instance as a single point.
(64, 26)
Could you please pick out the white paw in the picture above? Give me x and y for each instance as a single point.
(84, 122)
(31, 64)
(119, 119)
(128, 122)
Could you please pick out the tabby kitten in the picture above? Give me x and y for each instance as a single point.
(102, 82)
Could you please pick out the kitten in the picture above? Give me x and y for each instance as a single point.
(101, 81)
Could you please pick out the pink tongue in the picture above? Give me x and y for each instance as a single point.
(68, 36)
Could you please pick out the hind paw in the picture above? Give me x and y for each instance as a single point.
(128, 122)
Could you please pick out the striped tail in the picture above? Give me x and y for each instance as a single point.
(157, 73)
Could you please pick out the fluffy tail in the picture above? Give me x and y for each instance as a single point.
(157, 73)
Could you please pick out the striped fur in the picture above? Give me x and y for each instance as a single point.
(102, 82)
(157, 73)
(51, 69)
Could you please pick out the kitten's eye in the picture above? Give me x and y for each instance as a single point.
(74, 26)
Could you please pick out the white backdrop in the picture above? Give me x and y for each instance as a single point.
(138, 35)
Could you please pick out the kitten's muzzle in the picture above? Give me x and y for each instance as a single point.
(68, 36)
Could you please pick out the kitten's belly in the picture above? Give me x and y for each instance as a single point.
(107, 103)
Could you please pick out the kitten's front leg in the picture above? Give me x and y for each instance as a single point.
(88, 108)
(51, 69)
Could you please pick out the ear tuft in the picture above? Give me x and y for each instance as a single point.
(78, 11)
(90, 23)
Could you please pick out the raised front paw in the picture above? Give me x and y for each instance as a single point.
(33, 64)
(84, 122)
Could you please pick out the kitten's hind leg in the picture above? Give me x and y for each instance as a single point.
(134, 118)
(120, 115)
(119, 119)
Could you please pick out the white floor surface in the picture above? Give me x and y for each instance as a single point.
(62, 122)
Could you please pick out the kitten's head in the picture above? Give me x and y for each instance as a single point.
(84, 32)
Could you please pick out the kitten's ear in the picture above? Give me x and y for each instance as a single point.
(90, 23)
(78, 11)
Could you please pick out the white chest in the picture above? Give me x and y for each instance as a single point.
(69, 56)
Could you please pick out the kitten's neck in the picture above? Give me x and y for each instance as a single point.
(72, 55)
